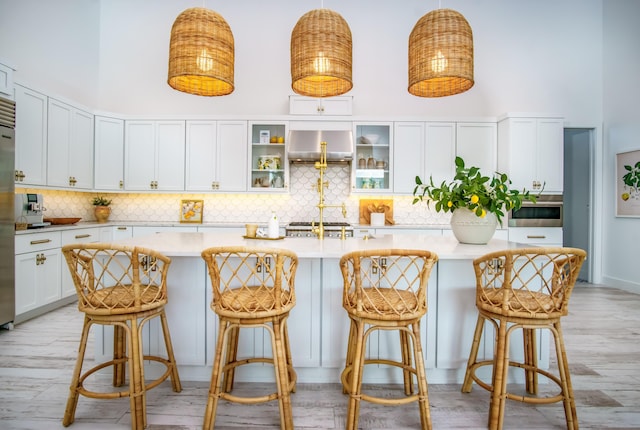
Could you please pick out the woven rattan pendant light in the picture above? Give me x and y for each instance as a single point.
(440, 55)
(201, 53)
(321, 54)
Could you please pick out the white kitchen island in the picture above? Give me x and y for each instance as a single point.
(318, 325)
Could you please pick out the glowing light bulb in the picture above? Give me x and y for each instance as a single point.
(439, 63)
(321, 64)
(204, 61)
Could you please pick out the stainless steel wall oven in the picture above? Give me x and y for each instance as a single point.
(546, 212)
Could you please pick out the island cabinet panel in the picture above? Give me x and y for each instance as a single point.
(457, 314)
(185, 290)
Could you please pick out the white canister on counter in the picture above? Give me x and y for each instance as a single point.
(273, 230)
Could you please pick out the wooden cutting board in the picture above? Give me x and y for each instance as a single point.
(377, 205)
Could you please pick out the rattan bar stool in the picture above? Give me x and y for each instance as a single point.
(123, 287)
(386, 289)
(524, 289)
(252, 287)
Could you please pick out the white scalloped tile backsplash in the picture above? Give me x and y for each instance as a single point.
(298, 205)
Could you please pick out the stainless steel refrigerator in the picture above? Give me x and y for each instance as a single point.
(7, 222)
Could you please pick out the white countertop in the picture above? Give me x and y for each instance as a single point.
(191, 244)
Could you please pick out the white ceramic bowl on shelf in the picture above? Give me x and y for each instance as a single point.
(369, 139)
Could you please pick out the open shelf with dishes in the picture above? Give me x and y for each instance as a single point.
(372, 157)
(268, 166)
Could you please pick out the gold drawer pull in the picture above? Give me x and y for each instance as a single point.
(38, 242)
(122, 228)
(536, 237)
(82, 236)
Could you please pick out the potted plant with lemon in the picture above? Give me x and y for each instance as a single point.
(101, 209)
(477, 202)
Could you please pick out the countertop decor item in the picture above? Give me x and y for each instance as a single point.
(102, 209)
(191, 211)
(201, 54)
(483, 196)
(369, 206)
(440, 55)
(62, 221)
(321, 54)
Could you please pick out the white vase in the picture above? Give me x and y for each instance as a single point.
(467, 227)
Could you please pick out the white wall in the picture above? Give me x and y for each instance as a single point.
(542, 56)
(53, 45)
(622, 133)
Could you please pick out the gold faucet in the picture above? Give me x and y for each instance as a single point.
(320, 186)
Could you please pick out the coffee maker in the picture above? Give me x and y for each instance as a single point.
(29, 208)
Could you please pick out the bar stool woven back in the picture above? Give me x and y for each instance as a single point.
(524, 289)
(251, 287)
(386, 289)
(123, 287)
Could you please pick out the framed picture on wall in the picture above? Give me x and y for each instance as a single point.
(191, 211)
(628, 184)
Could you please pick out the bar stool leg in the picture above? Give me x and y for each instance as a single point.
(500, 372)
(72, 401)
(175, 378)
(231, 356)
(119, 356)
(136, 377)
(473, 355)
(565, 379)
(282, 375)
(287, 347)
(355, 390)
(425, 413)
(351, 340)
(405, 348)
(530, 360)
(215, 386)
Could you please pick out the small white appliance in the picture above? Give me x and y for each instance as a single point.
(29, 208)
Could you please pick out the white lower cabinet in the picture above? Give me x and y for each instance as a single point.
(37, 270)
(536, 236)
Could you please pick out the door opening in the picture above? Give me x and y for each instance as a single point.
(577, 228)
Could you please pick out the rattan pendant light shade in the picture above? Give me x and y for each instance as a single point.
(440, 55)
(201, 53)
(321, 54)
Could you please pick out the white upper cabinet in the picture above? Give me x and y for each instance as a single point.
(69, 146)
(373, 157)
(109, 154)
(532, 152)
(340, 105)
(267, 160)
(477, 144)
(423, 149)
(31, 137)
(408, 155)
(216, 153)
(154, 155)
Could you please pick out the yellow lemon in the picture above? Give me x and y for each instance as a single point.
(483, 214)
(449, 203)
(625, 196)
(474, 199)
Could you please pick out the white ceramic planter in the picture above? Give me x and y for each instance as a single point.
(467, 227)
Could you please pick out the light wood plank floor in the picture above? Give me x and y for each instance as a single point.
(602, 336)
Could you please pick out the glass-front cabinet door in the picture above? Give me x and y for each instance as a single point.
(268, 165)
(372, 159)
